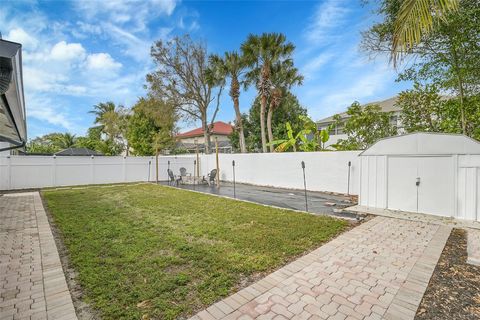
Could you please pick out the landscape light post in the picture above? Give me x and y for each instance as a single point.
(305, 186)
(194, 168)
(168, 172)
(233, 167)
(149, 165)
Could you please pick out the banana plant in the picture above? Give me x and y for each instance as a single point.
(285, 144)
(307, 139)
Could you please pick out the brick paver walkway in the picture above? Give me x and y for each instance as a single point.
(32, 283)
(378, 270)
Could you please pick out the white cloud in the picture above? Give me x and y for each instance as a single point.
(102, 62)
(64, 51)
(19, 35)
(328, 15)
(44, 109)
(137, 13)
(312, 68)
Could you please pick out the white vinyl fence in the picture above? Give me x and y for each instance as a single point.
(325, 171)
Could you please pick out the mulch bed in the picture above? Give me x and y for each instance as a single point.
(454, 289)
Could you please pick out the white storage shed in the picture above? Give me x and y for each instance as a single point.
(431, 173)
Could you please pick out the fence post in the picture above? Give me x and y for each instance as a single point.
(92, 164)
(9, 168)
(234, 191)
(54, 169)
(348, 183)
(124, 169)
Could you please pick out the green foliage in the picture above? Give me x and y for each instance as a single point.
(289, 110)
(150, 126)
(174, 250)
(52, 143)
(94, 141)
(364, 126)
(309, 138)
(424, 109)
(448, 56)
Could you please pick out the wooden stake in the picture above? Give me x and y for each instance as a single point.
(218, 167)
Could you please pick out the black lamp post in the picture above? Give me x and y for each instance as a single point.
(305, 186)
(234, 191)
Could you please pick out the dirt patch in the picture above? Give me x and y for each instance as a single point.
(454, 289)
(82, 309)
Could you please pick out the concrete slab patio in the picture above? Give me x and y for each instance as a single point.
(318, 202)
(32, 282)
(379, 270)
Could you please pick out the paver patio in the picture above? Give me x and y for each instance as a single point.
(32, 282)
(378, 270)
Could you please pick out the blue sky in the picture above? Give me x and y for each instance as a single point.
(76, 54)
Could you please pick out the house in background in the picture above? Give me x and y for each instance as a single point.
(13, 126)
(337, 133)
(192, 139)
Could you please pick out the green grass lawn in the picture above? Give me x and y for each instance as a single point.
(162, 253)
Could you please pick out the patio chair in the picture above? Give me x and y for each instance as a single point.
(183, 174)
(211, 177)
(171, 177)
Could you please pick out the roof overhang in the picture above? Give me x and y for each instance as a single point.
(12, 102)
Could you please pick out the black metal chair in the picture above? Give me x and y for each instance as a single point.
(171, 176)
(211, 177)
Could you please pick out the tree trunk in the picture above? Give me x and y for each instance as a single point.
(241, 135)
(462, 109)
(206, 133)
(460, 92)
(269, 127)
(262, 122)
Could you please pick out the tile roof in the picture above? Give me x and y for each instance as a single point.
(219, 127)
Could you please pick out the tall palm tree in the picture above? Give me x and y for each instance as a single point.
(99, 110)
(64, 140)
(261, 53)
(415, 18)
(284, 76)
(110, 117)
(232, 66)
(112, 121)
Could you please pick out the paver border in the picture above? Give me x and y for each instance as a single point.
(58, 300)
(408, 297)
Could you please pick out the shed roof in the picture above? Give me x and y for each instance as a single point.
(424, 143)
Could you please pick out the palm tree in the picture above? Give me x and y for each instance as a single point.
(284, 76)
(261, 53)
(64, 140)
(414, 19)
(112, 120)
(232, 65)
(99, 110)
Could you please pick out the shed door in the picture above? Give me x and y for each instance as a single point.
(402, 192)
(434, 194)
(436, 190)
